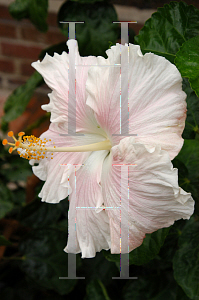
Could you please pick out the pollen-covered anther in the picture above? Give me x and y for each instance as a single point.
(10, 133)
(21, 133)
(10, 150)
(32, 145)
(4, 142)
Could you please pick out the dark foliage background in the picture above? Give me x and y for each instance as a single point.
(33, 234)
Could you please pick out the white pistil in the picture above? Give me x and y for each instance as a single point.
(105, 145)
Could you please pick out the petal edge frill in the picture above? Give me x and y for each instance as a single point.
(157, 106)
(155, 199)
(55, 71)
(56, 171)
(92, 228)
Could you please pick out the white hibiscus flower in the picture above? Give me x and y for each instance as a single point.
(157, 112)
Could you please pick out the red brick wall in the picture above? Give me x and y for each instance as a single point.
(20, 45)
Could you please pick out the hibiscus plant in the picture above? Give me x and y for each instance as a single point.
(101, 180)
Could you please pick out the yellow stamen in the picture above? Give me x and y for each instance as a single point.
(10, 150)
(21, 133)
(4, 142)
(10, 133)
(34, 146)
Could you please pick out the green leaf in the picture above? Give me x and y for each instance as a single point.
(4, 242)
(96, 291)
(24, 290)
(19, 9)
(186, 260)
(39, 214)
(87, 1)
(151, 285)
(192, 120)
(187, 62)
(146, 252)
(98, 30)
(6, 197)
(189, 179)
(189, 155)
(15, 169)
(45, 261)
(168, 28)
(105, 269)
(19, 99)
(38, 12)
(180, 295)
(35, 10)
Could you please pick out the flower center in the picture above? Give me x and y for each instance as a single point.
(34, 148)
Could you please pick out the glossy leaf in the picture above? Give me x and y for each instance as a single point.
(105, 269)
(180, 295)
(98, 30)
(35, 10)
(146, 252)
(187, 62)
(45, 261)
(15, 168)
(151, 286)
(38, 11)
(4, 241)
(189, 174)
(87, 1)
(6, 198)
(189, 155)
(19, 99)
(168, 28)
(186, 260)
(24, 290)
(192, 119)
(39, 214)
(96, 291)
(19, 9)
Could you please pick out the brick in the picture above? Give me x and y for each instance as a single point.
(32, 113)
(42, 128)
(26, 69)
(32, 34)
(53, 36)
(36, 102)
(20, 123)
(15, 82)
(4, 13)
(20, 51)
(6, 66)
(52, 19)
(7, 30)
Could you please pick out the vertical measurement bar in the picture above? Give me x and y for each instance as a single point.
(124, 233)
(72, 82)
(124, 81)
(73, 241)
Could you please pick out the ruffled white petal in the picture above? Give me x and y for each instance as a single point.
(56, 171)
(155, 199)
(92, 227)
(157, 106)
(55, 71)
